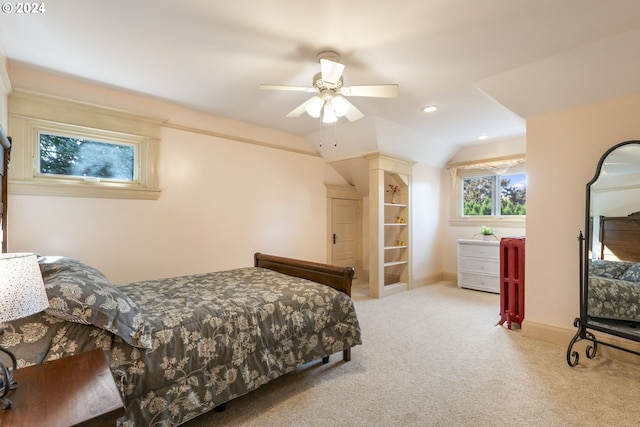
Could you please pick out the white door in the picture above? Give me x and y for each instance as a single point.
(344, 232)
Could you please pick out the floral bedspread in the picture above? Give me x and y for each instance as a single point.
(614, 290)
(207, 338)
(614, 299)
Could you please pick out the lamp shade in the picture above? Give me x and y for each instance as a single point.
(314, 106)
(329, 114)
(340, 105)
(22, 290)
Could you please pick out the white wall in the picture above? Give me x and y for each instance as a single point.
(222, 200)
(563, 149)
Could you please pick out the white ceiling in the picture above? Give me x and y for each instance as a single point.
(488, 64)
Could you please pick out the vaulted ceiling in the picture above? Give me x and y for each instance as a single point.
(487, 65)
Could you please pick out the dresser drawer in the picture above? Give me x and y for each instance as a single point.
(480, 251)
(480, 265)
(479, 281)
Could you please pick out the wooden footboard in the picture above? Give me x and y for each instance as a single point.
(339, 278)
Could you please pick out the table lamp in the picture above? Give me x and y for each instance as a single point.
(22, 294)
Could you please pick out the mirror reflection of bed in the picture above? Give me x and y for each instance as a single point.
(614, 275)
(613, 297)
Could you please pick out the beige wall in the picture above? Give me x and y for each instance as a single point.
(426, 217)
(222, 199)
(563, 149)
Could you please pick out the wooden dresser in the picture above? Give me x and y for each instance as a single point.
(479, 265)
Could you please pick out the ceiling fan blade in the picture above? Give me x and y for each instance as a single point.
(297, 112)
(289, 88)
(305, 106)
(331, 71)
(352, 114)
(376, 91)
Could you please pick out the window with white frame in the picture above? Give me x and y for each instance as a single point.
(85, 158)
(493, 190)
(69, 149)
(494, 195)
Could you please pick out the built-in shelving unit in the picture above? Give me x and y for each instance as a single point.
(390, 237)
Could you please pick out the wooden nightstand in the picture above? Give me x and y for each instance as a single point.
(73, 391)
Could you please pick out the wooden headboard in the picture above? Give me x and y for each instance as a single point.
(620, 237)
(5, 149)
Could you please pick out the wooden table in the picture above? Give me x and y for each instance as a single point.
(73, 391)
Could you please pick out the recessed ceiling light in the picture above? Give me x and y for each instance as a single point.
(483, 137)
(430, 108)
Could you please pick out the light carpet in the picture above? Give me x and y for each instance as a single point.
(432, 356)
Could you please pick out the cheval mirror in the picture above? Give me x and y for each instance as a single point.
(5, 148)
(610, 253)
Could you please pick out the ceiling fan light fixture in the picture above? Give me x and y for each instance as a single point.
(330, 100)
(329, 114)
(314, 107)
(340, 105)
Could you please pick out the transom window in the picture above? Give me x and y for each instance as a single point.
(92, 160)
(66, 148)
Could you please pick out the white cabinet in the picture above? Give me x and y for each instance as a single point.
(479, 265)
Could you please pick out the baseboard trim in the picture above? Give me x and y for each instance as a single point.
(546, 333)
(429, 279)
(562, 337)
(450, 277)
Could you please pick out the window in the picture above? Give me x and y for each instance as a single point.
(65, 148)
(85, 158)
(494, 195)
(491, 192)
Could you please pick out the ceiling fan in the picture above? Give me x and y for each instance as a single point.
(330, 95)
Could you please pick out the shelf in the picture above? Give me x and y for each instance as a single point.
(391, 264)
(390, 240)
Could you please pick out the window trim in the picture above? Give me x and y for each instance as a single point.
(30, 114)
(471, 170)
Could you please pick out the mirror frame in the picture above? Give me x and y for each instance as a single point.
(583, 323)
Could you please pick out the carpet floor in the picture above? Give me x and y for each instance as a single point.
(432, 356)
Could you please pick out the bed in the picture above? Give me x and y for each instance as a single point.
(614, 277)
(619, 237)
(182, 346)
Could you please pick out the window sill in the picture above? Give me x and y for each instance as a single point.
(489, 221)
(31, 188)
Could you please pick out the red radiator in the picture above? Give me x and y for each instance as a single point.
(511, 281)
